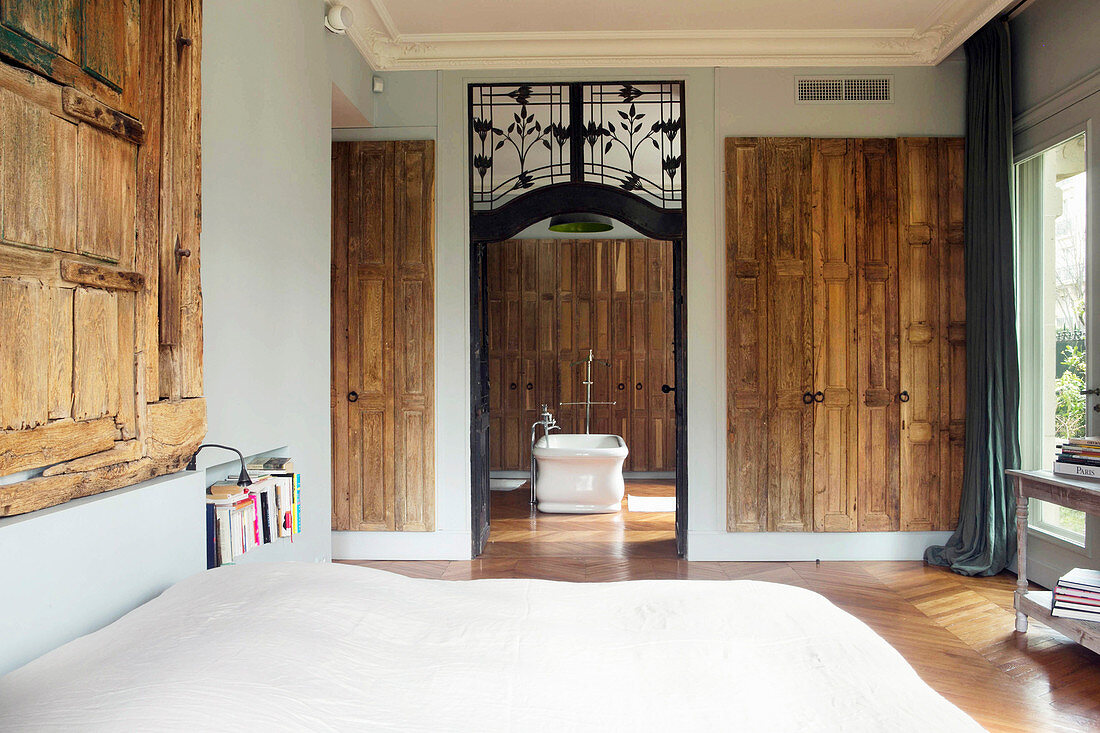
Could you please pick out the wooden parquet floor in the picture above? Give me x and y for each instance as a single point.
(957, 632)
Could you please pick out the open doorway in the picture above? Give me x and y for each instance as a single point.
(582, 328)
(540, 153)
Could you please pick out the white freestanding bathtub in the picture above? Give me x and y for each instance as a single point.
(579, 474)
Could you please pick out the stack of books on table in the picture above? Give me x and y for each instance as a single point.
(1078, 457)
(1077, 595)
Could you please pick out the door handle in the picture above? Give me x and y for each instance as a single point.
(353, 396)
(1094, 390)
(819, 396)
(530, 386)
(666, 389)
(904, 396)
(807, 398)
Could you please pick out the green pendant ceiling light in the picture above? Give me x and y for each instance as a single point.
(580, 224)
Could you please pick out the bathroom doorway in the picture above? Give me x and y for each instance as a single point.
(545, 153)
(563, 311)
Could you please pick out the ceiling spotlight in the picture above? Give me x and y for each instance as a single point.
(580, 223)
(338, 18)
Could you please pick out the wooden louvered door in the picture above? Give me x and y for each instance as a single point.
(100, 306)
(383, 336)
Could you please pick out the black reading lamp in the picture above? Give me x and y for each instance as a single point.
(243, 480)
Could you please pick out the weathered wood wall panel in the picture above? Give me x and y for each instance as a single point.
(81, 206)
(549, 302)
(383, 336)
(884, 395)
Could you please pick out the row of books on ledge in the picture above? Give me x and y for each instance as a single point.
(1077, 595)
(1079, 457)
(242, 518)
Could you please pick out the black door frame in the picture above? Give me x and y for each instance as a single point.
(574, 197)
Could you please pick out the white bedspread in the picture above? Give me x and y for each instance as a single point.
(328, 647)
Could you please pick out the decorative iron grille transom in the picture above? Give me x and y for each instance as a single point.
(628, 135)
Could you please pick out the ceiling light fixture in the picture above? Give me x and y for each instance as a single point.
(580, 224)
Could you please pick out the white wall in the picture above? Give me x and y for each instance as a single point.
(720, 103)
(71, 569)
(268, 70)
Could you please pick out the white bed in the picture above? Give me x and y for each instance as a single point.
(293, 646)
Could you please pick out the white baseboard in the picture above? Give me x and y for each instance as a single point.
(804, 546)
(440, 545)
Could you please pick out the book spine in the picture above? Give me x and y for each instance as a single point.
(297, 503)
(1079, 460)
(1068, 468)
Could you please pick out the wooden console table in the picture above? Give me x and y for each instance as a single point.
(1069, 492)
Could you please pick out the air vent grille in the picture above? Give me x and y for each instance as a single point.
(833, 90)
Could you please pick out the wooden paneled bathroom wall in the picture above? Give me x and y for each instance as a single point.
(383, 335)
(845, 334)
(100, 306)
(550, 301)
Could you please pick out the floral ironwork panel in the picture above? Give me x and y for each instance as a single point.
(628, 135)
(519, 140)
(633, 139)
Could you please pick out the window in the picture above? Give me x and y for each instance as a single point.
(1052, 269)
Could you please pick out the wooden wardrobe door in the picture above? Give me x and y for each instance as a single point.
(383, 336)
(747, 364)
(877, 333)
(919, 273)
(790, 334)
(621, 328)
(953, 317)
(414, 334)
(834, 239)
(363, 366)
(546, 382)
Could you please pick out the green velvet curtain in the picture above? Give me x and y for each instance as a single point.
(985, 540)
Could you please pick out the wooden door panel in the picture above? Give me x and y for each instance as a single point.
(790, 334)
(877, 334)
(105, 37)
(414, 334)
(953, 316)
(55, 26)
(105, 224)
(383, 349)
(70, 224)
(747, 365)
(919, 277)
(835, 436)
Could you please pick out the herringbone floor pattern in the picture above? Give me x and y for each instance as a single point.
(957, 632)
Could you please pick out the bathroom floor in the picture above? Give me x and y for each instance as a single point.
(516, 530)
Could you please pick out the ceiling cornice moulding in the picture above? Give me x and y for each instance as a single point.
(387, 49)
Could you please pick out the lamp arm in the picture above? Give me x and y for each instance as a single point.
(242, 480)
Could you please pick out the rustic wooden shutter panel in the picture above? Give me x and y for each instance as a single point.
(877, 333)
(835, 422)
(888, 421)
(383, 336)
(81, 200)
(747, 312)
